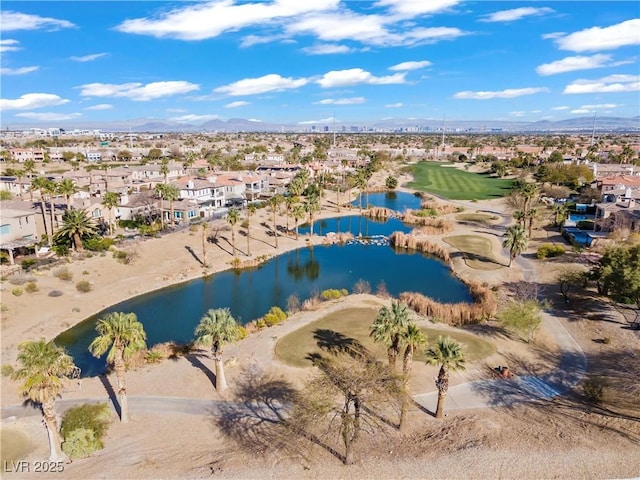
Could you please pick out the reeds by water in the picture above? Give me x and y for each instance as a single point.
(441, 208)
(403, 240)
(433, 226)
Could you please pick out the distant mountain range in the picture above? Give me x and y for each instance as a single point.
(412, 125)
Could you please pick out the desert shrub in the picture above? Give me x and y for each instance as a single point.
(153, 356)
(194, 228)
(61, 250)
(31, 287)
(16, 292)
(260, 324)
(85, 272)
(80, 443)
(28, 264)
(6, 370)
(593, 389)
(98, 244)
(362, 286)
(63, 273)
(381, 290)
(123, 256)
(243, 332)
(547, 250)
(83, 286)
(332, 294)
(293, 303)
(82, 429)
(21, 279)
(274, 316)
(606, 340)
(55, 293)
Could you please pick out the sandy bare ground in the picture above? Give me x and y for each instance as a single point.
(562, 438)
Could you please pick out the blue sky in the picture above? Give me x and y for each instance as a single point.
(304, 61)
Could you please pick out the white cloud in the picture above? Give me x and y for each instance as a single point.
(236, 104)
(267, 83)
(10, 21)
(412, 8)
(610, 84)
(17, 71)
(515, 14)
(355, 76)
(602, 38)
(30, 101)
(9, 45)
(322, 120)
(194, 118)
(48, 117)
(326, 49)
(256, 120)
(410, 65)
(570, 64)
(508, 93)
(600, 106)
(562, 107)
(208, 20)
(394, 105)
(580, 110)
(518, 114)
(89, 58)
(101, 106)
(341, 101)
(137, 91)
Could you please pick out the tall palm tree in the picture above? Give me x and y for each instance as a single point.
(75, 225)
(298, 214)
(560, 212)
(412, 338)
(520, 217)
(531, 216)
(289, 202)
(216, 328)
(67, 187)
(388, 328)
(160, 192)
(164, 170)
(111, 201)
(312, 206)
(40, 184)
(121, 334)
(233, 215)
(19, 173)
(29, 168)
(450, 356)
(251, 210)
(516, 241)
(205, 227)
(42, 366)
(274, 202)
(51, 189)
(171, 193)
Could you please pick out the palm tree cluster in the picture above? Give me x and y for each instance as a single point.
(394, 329)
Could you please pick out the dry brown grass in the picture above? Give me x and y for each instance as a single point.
(433, 226)
(441, 208)
(379, 213)
(484, 306)
(403, 240)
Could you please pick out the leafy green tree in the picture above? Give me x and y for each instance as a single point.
(233, 215)
(76, 225)
(618, 274)
(217, 328)
(571, 277)
(388, 328)
(42, 366)
(449, 355)
(516, 241)
(522, 318)
(121, 335)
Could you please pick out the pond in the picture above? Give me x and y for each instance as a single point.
(171, 314)
(358, 225)
(398, 201)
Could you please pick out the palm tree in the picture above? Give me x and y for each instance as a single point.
(450, 356)
(216, 328)
(289, 202)
(205, 227)
(274, 202)
(251, 210)
(164, 169)
(19, 173)
(121, 334)
(29, 168)
(67, 187)
(388, 328)
(560, 213)
(42, 366)
(40, 183)
(233, 215)
(516, 241)
(111, 201)
(412, 338)
(520, 217)
(311, 206)
(532, 215)
(298, 214)
(160, 192)
(51, 189)
(75, 225)
(171, 193)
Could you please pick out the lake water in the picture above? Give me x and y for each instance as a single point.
(398, 201)
(357, 225)
(171, 314)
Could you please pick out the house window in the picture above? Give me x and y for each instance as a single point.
(96, 213)
(5, 229)
(191, 213)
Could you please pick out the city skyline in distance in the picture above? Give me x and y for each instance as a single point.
(319, 62)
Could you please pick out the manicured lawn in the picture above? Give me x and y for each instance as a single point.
(350, 326)
(476, 217)
(455, 184)
(476, 250)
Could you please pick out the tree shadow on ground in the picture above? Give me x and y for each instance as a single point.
(193, 254)
(335, 343)
(470, 257)
(111, 394)
(194, 359)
